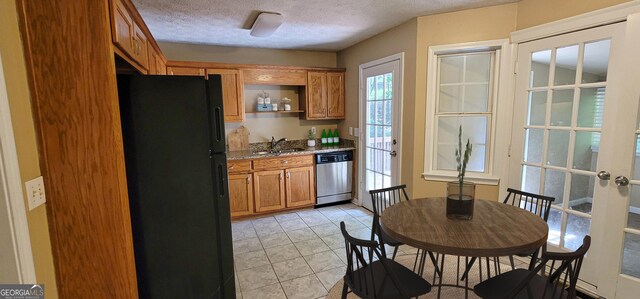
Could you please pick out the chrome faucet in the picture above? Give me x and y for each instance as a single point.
(274, 143)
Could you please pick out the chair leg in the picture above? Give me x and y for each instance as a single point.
(345, 290)
(468, 267)
(513, 264)
(395, 251)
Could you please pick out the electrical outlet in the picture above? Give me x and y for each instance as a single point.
(351, 131)
(356, 132)
(35, 192)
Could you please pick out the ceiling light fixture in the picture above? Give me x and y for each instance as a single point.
(266, 24)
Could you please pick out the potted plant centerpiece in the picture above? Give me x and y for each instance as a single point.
(460, 193)
(311, 139)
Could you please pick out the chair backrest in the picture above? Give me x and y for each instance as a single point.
(360, 254)
(561, 270)
(384, 198)
(534, 203)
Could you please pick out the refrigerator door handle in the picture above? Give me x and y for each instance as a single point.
(219, 123)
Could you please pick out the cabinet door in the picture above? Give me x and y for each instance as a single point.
(153, 58)
(240, 194)
(161, 68)
(232, 93)
(140, 46)
(268, 187)
(122, 27)
(316, 95)
(184, 71)
(301, 189)
(335, 95)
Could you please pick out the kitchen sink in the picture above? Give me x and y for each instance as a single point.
(292, 150)
(261, 152)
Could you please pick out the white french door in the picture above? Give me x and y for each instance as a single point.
(566, 143)
(380, 120)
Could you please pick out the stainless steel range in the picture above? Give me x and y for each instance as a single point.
(334, 173)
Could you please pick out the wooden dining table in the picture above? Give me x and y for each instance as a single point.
(496, 229)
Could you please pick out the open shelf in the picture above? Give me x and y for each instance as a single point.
(279, 111)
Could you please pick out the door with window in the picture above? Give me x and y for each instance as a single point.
(566, 141)
(380, 110)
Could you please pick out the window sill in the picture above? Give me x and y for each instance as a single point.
(445, 177)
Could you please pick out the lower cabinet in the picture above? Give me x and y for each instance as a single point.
(269, 190)
(241, 194)
(266, 185)
(300, 185)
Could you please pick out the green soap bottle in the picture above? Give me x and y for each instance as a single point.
(324, 137)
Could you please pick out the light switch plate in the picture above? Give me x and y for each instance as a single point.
(351, 131)
(356, 132)
(35, 192)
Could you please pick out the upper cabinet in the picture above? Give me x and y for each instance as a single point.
(324, 95)
(275, 76)
(232, 93)
(133, 41)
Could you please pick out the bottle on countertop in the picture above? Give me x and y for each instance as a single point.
(336, 137)
(330, 138)
(324, 137)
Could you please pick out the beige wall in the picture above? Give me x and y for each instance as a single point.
(536, 12)
(25, 137)
(193, 52)
(495, 22)
(397, 40)
(451, 28)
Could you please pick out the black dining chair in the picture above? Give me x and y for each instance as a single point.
(534, 203)
(381, 200)
(370, 274)
(557, 280)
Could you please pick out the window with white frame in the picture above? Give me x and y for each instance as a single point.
(463, 91)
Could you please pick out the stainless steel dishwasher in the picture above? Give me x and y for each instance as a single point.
(334, 177)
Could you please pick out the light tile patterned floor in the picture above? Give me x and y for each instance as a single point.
(297, 254)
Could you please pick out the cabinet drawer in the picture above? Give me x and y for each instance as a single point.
(239, 166)
(282, 162)
(275, 77)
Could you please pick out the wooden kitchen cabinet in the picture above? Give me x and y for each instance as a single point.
(324, 95)
(335, 95)
(241, 194)
(269, 190)
(185, 71)
(300, 186)
(232, 93)
(140, 44)
(156, 63)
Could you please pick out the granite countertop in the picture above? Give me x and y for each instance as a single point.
(251, 153)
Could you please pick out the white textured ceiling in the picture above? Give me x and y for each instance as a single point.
(308, 24)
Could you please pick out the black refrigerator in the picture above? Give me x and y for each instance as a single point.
(173, 134)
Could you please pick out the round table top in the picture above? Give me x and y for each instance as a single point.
(496, 229)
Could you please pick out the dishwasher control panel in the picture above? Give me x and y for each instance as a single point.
(334, 157)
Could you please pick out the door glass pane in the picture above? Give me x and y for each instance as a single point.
(581, 194)
(591, 107)
(531, 179)
(450, 98)
(540, 66)
(633, 220)
(379, 87)
(537, 108)
(388, 115)
(476, 98)
(533, 145)
(566, 62)
(596, 61)
(631, 256)
(478, 67)
(558, 148)
(387, 138)
(555, 223)
(577, 228)
(561, 107)
(585, 151)
(451, 69)
(554, 185)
